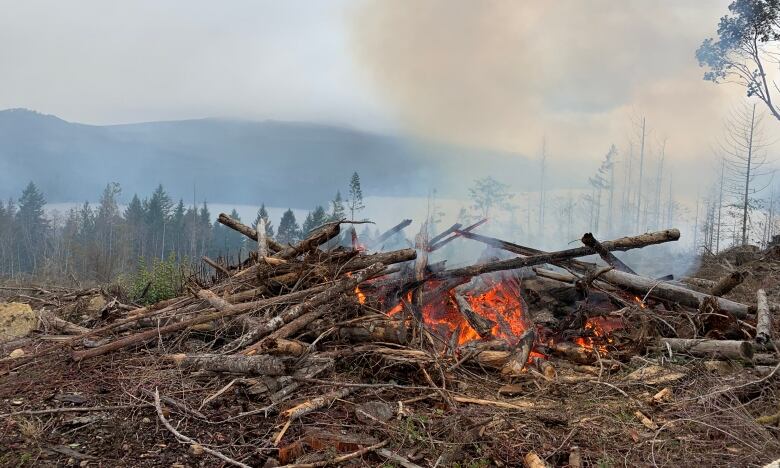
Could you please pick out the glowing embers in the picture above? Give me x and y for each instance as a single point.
(495, 301)
(599, 330)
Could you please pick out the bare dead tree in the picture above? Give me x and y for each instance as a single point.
(743, 148)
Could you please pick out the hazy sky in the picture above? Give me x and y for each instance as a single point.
(492, 73)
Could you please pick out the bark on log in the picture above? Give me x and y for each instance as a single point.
(262, 239)
(255, 365)
(421, 244)
(291, 313)
(724, 285)
(590, 241)
(390, 233)
(247, 231)
(389, 331)
(763, 318)
(717, 349)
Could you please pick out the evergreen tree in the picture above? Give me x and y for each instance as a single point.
(32, 227)
(107, 224)
(158, 212)
(314, 219)
(263, 214)
(289, 231)
(355, 201)
(135, 223)
(336, 208)
(234, 240)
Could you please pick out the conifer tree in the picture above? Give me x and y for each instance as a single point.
(262, 213)
(355, 201)
(32, 227)
(337, 208)
(289, 231)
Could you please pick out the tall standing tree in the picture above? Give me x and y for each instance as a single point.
(262, 213)
(336, 208)
(289, 231)
(488, 193)
(158, 212)
(355, 201)
(315, 218)
(744, 147)
(747, 42)
(32, 227)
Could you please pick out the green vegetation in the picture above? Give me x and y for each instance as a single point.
(160, 280)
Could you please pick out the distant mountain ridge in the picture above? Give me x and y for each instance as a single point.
(293, 164)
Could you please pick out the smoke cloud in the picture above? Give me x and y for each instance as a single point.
(503, 74)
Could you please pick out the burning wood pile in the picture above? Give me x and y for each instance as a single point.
(311, 315)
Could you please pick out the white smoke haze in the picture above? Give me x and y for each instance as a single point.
(504, 74)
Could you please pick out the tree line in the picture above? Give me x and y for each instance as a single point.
(99, 242)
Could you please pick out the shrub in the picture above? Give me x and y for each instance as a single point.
(161, 280)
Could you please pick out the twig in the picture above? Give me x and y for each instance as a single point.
(186, 440)
(340, 459)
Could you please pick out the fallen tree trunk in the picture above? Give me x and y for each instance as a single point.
(255, 365)
(763, 318)
(47, 319)
(658, 289)
(717, 349)
(724, 285)
(315, 239)
(480, 324)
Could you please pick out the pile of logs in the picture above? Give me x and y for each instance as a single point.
(307, 299)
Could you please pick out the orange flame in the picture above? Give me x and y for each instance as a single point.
(600, 329)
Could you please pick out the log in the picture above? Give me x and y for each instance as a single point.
(390, 233)
(219, 268)
(724, 285)
(624, 243)
(247, 231)
(255, 365)
(387, 331)
(457, 233)
(445, 233)
(480, 324)
(641, 285)
(589, 240)
(47, 319)
(420, 265)
(291, 313)
(262, 239)
(315, 239)
(763, 318)
(707, 348)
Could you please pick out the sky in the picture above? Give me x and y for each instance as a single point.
(497, 74)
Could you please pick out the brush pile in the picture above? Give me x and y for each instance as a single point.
(315, 354)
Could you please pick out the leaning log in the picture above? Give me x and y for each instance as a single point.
(390, 233)
(314, 240)
(724, 285)
(590, 240)
(444, 233)
(707, 348)
(763, 318)
(480, 324)
(624, 243)
(457, 233)
(247, 231)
